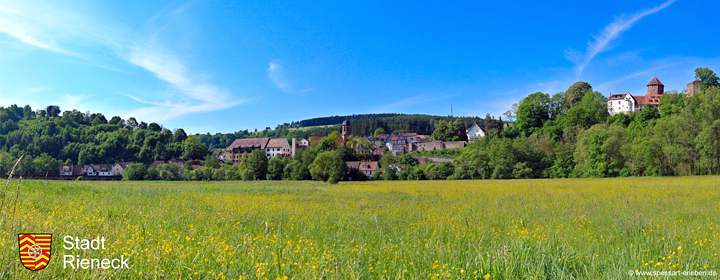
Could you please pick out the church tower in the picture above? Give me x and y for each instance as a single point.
(346, 130)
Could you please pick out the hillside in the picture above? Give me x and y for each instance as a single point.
(362, 125)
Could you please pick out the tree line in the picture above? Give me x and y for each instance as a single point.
(47, 139)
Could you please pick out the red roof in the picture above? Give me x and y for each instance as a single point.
(640, 100)
(408, 134)
(368, 166)
(276, 143)
(248, 142)
(655, 81)
(618, 96)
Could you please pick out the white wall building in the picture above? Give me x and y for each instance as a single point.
(621, 103)
(278, 147)
(475, 132)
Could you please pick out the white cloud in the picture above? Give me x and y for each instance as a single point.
(276, 74)
(54, 29)
(611, 32)
(36, 89)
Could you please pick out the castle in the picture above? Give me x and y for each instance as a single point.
(627, 103)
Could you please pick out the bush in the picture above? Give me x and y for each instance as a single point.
(79, 178)
(134, 172)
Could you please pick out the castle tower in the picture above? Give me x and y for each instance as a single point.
(346, 130)
(655, 87)
(693, 87)
(655, 90)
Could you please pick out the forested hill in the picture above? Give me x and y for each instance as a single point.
(46, 137)
(362, 125)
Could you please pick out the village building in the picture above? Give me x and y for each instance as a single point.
(104, 169)
(475, 131)
(220, 155)
(240, 146)
(119, 168)
(366, 167)
(90, 170)
(277, 147)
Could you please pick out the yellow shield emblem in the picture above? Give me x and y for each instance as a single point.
(35, 249)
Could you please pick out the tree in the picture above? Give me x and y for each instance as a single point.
(134, 172)
(387, 160)
(532, 113)
(326, 144)
(575, 93)
(46, 165)
(211, 161)
(180, 135)
(328, 166)
(458, 130)
(154, 127)
(379, 131)
(707, 77)
(168, 172)
(256, 165)
(194, 149)
(407, 160)
(442, 131)
(26, 166)
(276, 166)
(390, 173)
(364, 149)
(152, 174)
(417, 174)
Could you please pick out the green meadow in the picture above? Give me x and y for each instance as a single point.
(490, 229)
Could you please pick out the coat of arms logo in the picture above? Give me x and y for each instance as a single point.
(35, 250)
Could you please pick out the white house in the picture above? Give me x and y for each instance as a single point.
(621, 103)
(119, 168)
(104, 169)
(90, 170)
(303, 142)
(475, 132)
(410, 137)
(278, 147)
(66, 170)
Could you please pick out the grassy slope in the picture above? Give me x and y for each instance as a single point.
(575, 228)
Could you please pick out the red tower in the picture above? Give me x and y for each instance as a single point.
(346, 130)
(655, 90)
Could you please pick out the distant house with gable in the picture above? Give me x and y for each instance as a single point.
(277, 147)
(475, 131)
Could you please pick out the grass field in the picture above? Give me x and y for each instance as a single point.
(549, 229)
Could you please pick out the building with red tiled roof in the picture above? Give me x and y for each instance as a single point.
(241, 146)
(278, 147)
(366, 167)
(627, 103)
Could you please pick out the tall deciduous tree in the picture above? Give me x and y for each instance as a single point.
(575, 93)
(328, 166)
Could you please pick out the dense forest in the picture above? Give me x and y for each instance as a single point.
(47, 138)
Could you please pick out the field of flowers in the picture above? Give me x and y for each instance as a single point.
(553, 229)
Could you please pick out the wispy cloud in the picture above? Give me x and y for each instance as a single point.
(611, 32)
(417, 100)
(36, 89)
(276, 74)
(51, 28)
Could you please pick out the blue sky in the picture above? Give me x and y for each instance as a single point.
(214, 66)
